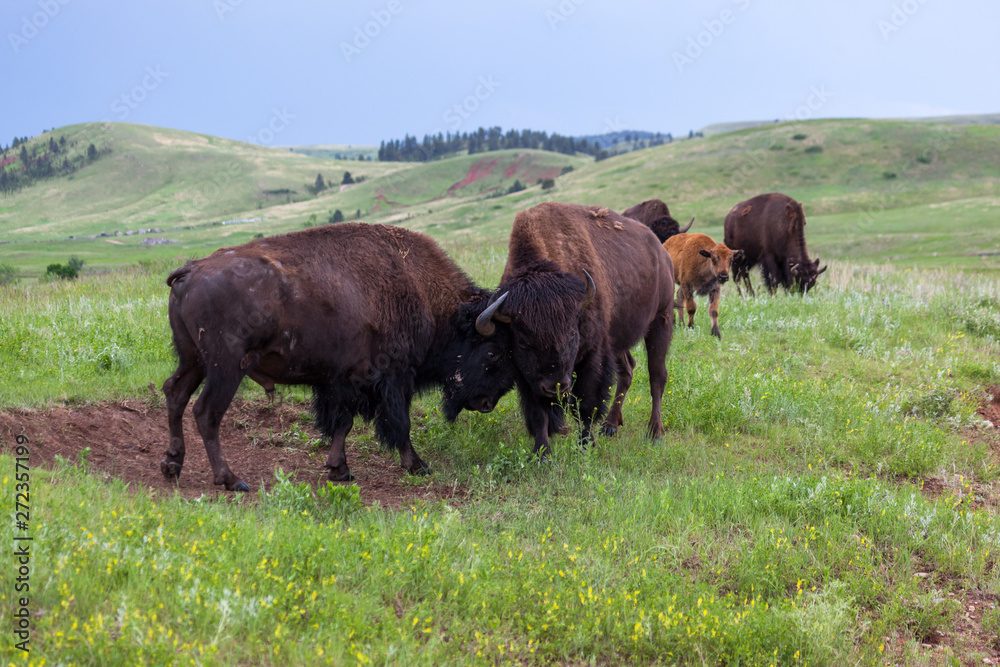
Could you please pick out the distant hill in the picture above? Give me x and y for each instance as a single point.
(981, 119)
(866, 185)
(337, 151)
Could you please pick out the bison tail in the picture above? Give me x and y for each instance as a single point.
(178, 275)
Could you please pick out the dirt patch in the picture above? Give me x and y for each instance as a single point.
(479, 170)
(990, 409)
(127, 439)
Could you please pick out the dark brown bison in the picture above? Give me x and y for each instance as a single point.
(770, 230)
(365, 314)
(654, 214)
(582, 285)
(701, 266)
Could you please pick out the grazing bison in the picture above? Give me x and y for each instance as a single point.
(582, 285)
(701, 266)
(769, 229)
(654, 214)
(366, 314)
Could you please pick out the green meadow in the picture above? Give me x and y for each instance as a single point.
(825, 493)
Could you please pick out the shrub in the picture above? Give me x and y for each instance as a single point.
(548, 183)
(800, 137)
(8, 274)
(338, 216)
(813, 149)
(516, 187)
(888, 175)
(565, 170)
(63, 271)
(925, 159)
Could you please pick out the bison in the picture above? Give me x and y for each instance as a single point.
(654, 214)
(769, 229)
(701, 266)
(366, 314)
(581, 286)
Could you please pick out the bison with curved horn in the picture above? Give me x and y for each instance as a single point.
(366, 314)
(770, 230)
(581, 287)
(654, 214)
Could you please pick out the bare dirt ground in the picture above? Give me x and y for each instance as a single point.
(127, 439)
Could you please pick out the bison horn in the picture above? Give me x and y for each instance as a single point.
(794, 268)
(688, 227)
(484, 323)
(591, 291)
(821, 270)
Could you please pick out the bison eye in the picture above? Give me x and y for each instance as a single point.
(491, 355)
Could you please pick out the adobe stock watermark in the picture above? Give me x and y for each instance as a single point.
(900, 16)
(31, 25)
(363, 36)
(129, 101)
(755, 159)
(562, 12)
(224, 7)
(943, 139)
(279, 121)
(461, 111)
(704, 39)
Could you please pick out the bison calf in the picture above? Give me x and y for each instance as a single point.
(701, 266)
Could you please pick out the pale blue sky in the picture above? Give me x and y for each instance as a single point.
(228, 67)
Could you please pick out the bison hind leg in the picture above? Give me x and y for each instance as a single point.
(334, 413)
(392, 424)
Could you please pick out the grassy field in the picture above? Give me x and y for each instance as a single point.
(826, 492)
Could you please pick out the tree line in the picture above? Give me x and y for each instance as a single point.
(409, 149)
(25, 162)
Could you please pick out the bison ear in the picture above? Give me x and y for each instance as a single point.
(591, 291)
(705, 253)
(484, 323)
(738, 254)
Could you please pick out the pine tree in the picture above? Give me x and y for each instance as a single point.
(319, 186)
(347, 179)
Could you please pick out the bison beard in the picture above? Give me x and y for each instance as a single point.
(582, 285)
(365, 314)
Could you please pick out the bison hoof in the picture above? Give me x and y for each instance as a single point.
(240, 485)
(716, 333)
(340, 475)
(170, 469)
(609, 430)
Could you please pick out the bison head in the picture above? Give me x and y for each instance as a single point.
(541, 312)
(480, 368)
(805, 274)
(721, 258)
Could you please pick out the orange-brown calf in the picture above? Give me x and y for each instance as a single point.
(701, 266)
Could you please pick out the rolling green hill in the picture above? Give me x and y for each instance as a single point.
(920, 193)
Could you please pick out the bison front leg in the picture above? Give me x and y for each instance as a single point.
(713, 311)
(178, 389)
(334, 420)
(593, 380)
(208, 412)
(614, 420)
(536, 419)
(392, 426)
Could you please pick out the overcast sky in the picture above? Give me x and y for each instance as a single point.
(359, 72)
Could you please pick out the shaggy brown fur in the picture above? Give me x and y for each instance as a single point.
(551, 245)
(365, 314)
(770, 229)
(654, 214)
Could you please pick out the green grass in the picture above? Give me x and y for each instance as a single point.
(780, 514)
(781, 520)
